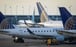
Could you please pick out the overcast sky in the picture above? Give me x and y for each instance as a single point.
(26, 7)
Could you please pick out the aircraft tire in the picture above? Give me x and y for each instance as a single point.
(19, 40)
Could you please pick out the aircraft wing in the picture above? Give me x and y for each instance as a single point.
(71, 33)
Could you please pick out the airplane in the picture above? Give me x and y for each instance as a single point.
(19, 34)
(68, 29)
(50, 34)
(45, 20)
(69, 25)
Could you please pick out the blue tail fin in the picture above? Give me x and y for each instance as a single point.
(1, 17)
(64, 14)
(42, 13)
(4, 23)
(67, 19)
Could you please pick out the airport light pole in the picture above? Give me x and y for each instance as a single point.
(10, 10)
(16, 14)
(5, 9)
(16, 9)
(23, 10)
(10, 14)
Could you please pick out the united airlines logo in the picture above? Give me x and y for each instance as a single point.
(69, 24)
(4, 24)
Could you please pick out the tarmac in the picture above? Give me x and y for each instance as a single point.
(7, 41)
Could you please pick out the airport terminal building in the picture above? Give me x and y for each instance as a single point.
(23, 9)
(15, 18)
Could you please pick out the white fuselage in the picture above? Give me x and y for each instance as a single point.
(40, 33)
(52, 24)
(45, 24)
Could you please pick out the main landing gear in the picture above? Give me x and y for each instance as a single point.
(18, 40)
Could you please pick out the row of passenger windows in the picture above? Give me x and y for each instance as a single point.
(42, 31)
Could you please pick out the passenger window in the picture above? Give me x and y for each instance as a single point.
(44, 31)
(53, 30)
(41, 31)
(50, 30)
(35, 31)
(38, 31)
(24, 31)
